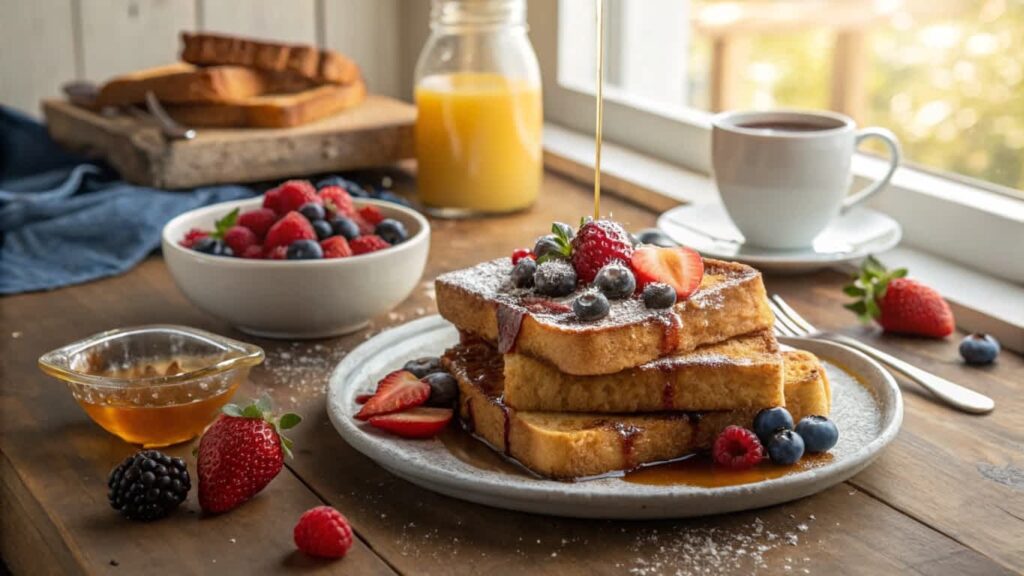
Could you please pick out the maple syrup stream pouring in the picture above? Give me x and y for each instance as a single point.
(599, 109)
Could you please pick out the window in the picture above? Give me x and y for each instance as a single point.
(946, 76)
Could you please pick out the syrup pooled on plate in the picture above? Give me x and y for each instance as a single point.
(699, 470)
(157, 415)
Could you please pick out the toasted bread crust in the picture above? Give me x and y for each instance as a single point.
(183, 83)
(573, 445)
(275, 110)
(743, 372)
(731, 301)
(322, 66)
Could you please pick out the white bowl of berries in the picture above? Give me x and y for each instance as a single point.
(298, 262)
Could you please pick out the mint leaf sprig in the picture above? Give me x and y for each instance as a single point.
(560, 246)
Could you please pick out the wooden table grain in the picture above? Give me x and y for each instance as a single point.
(947, 497)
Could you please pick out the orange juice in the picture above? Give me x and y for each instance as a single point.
(478, 142)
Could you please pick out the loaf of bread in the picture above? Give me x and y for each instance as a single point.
(273, 110)
(182, 83)
(321, 66)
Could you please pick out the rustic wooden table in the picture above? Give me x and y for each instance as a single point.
(946, 498)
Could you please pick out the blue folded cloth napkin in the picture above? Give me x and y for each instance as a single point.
(67, 220)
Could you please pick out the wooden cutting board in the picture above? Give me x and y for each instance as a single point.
(376, 133)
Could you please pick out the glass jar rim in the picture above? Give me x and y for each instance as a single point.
(477, 14)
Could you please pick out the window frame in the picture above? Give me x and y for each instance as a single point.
(947, 217)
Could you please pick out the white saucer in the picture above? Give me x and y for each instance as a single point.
(868, 417)
(707, 229)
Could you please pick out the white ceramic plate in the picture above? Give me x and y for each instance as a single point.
(707, 229)
(868, 417)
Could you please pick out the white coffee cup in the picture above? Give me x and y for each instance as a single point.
(784, 176)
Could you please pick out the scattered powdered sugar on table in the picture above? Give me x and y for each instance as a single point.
(303, 369)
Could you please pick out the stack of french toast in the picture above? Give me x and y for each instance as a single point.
(569, 394)
(225, 81)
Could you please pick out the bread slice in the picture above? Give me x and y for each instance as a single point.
(184, 83)
(273, 110)
(742, 372)
(574, 445)
(731, 301)
(321, 66)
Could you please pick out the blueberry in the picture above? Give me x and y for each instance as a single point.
(655, 237)
(392, 231)
(615, 281)
(444, 390)
(343, 226)
(555, 278)
(323, 229)
(590, 306)
(389, 196)
(785, 447)
(304, 250)
(423, 366)
(212, 246)
(658, 295)
(818, 433)
(312, 211)
(771, 420)
(523, 273)
(979, 349)
(547, 245)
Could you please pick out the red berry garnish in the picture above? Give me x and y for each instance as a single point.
(254, 252)
(371, 214)
(416, 423)
(520, 253)
(323, 532)
(597, 243)
(679, 267)
(367, 244)
(292, 227)
(336, 247)
(259, 220)
(290, 196)
(337, 201)
(399, 390)
(193, 236)
(737, 448)
(900, 305)
(239, 239)
(277, 253)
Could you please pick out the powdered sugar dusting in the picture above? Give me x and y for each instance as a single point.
(300, 371)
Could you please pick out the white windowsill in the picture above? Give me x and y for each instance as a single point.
(981, 302)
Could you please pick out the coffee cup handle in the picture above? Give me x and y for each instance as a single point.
(894, 161)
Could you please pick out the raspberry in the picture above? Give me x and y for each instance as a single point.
(336, 247)
(193, 236)
(254, 252)
(737, 448)
(371, 214)
(259, 220)
(596, 244)
(520, 253)
(240, 238)
(368, 243)
(292, 227)
(337, 201)
(290, 196)
(365, 227)
(323, 532)
(278, 253)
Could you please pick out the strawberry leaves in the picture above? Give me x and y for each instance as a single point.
(869, 287)
(261, 409)
(559, 244)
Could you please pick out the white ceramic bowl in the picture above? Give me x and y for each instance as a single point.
(297, 298)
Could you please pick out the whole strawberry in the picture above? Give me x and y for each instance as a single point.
(899, 305)
(240, 454)
(598, 243)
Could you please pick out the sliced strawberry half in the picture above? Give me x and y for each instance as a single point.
(415, 423)
(679, 267)
(399, 390)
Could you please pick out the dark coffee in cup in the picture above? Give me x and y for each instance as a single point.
(787, 126)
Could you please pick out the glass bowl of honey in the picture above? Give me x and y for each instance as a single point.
(153, 385)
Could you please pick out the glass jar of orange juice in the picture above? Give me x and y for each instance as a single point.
(478, 92)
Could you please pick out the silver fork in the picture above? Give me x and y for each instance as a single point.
(789, 323)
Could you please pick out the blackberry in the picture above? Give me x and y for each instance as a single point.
(148, 485)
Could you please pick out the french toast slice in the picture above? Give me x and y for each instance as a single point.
(575, 445)
(731, 301)
(741, 372)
